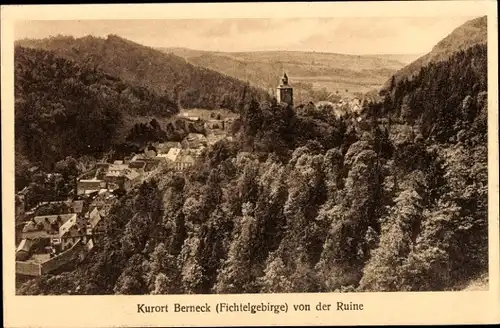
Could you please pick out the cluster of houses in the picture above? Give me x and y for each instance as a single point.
(46, 234)
(181, 155)
(108, 177)
(105, 178)
(342, 106)
(53, 229)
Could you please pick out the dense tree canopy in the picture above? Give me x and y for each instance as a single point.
(151, 70)
(304, 201)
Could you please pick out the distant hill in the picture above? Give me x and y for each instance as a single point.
(465, 36)
(189, 85)
(403, 58)
(315, 75)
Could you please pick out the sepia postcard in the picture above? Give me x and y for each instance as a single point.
(250, 164)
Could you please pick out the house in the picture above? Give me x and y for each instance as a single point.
(194, 140)
(172, 154)
(137, 165)
(95, 224)
(75, 206)
(45, 226)
(66, 206)
(132, 176)
(183, 162)
(195, 153)
(117, 168)
(115, 180)
(150, 152)
(104, 166)
(214, 124)
(70, 232)
(138, 157)
(151, 164)
(23, 198)
(87, 186)
(121, 179)
(23, 250)
(20, 207)
(164, 147)
(161, 158)
(214, 138)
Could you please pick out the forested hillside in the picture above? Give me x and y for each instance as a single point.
(86, 96)
(66, 109)
(467, 35)
(188, 85)
(303, 201)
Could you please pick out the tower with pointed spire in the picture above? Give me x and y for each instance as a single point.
(284, 92)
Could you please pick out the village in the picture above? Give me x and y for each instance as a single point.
(53, 232)
(50, 234)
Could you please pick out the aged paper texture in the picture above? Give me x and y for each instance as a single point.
(250, 164)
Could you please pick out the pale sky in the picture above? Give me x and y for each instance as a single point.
(381, 35)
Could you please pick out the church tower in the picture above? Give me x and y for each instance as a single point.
(284, 92)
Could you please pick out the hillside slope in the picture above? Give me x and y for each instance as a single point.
(465, 36)
(309, 72)
(65, 109)
(143, 66)
(303, 201)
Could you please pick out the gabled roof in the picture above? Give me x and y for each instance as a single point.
(137, 164)
(24, 245)
(173, 153)
(94, 180)
(94, 217)
(47, 221)
(171, 143)
(53, 218)
(132, 175)
(118, 167)
(66, 226)
(195, 136)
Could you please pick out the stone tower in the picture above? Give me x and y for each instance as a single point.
(284, 92)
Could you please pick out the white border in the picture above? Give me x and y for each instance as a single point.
(380, 308)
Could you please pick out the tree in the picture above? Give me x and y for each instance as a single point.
(236, 274)
(131, 280)
(383, 270)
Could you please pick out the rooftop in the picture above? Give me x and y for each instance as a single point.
(136, 164)
(89, 180)
(131, 175)
(47, 221)
(24, 245)
(39, 258)
(118, 167)
(67, 225)
(185, 159)
(94, 217)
